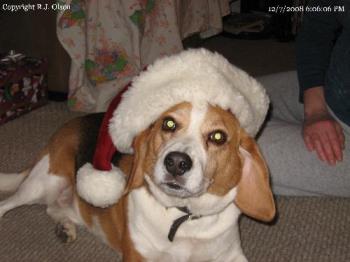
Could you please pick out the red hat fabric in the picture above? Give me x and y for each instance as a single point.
(105, 148)
(102, 184)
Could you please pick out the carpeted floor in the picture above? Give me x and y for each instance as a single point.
(307, 229)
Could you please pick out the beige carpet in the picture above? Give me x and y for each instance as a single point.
(308, 229)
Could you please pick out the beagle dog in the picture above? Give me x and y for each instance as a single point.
(193, 172)
(188, 165)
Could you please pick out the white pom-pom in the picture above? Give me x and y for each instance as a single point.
(100, 188)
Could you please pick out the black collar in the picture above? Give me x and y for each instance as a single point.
(178, 222)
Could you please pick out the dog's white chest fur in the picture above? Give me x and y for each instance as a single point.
(209, 238)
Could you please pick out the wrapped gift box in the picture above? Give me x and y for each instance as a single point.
(23, 85)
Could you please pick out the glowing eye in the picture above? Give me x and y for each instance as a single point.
(218, 137)
(169, 124)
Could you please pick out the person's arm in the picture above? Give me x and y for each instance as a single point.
(314, 45)
(321, 132)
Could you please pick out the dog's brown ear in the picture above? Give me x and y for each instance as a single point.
(135, 177)
(254, 196)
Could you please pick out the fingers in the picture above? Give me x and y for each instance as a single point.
(329, 150)
(319, 150)
(323, 148)
(340, 133)
(309, 144)
(314, 143)
(335, 144)
(327, 139)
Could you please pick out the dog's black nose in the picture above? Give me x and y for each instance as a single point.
(177, 163)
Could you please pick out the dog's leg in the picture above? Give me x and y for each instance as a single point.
(63, 213)
(38, 187)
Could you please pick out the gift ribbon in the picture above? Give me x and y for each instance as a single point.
(13, 57)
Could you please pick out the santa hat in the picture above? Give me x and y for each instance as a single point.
(197, 76)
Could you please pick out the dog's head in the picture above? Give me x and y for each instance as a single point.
(201, 156)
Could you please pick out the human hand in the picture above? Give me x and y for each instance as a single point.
(324, 134)
(321, 132)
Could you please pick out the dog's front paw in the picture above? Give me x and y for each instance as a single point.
(66, 232)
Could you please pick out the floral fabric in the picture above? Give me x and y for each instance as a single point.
(111, 41)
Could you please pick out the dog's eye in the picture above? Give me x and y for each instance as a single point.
(218, 137)
(169, 124)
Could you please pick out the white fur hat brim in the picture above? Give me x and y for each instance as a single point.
(197, 76)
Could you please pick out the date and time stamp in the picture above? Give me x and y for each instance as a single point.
(283, 9)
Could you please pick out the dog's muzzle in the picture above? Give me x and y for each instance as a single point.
(179, 169)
